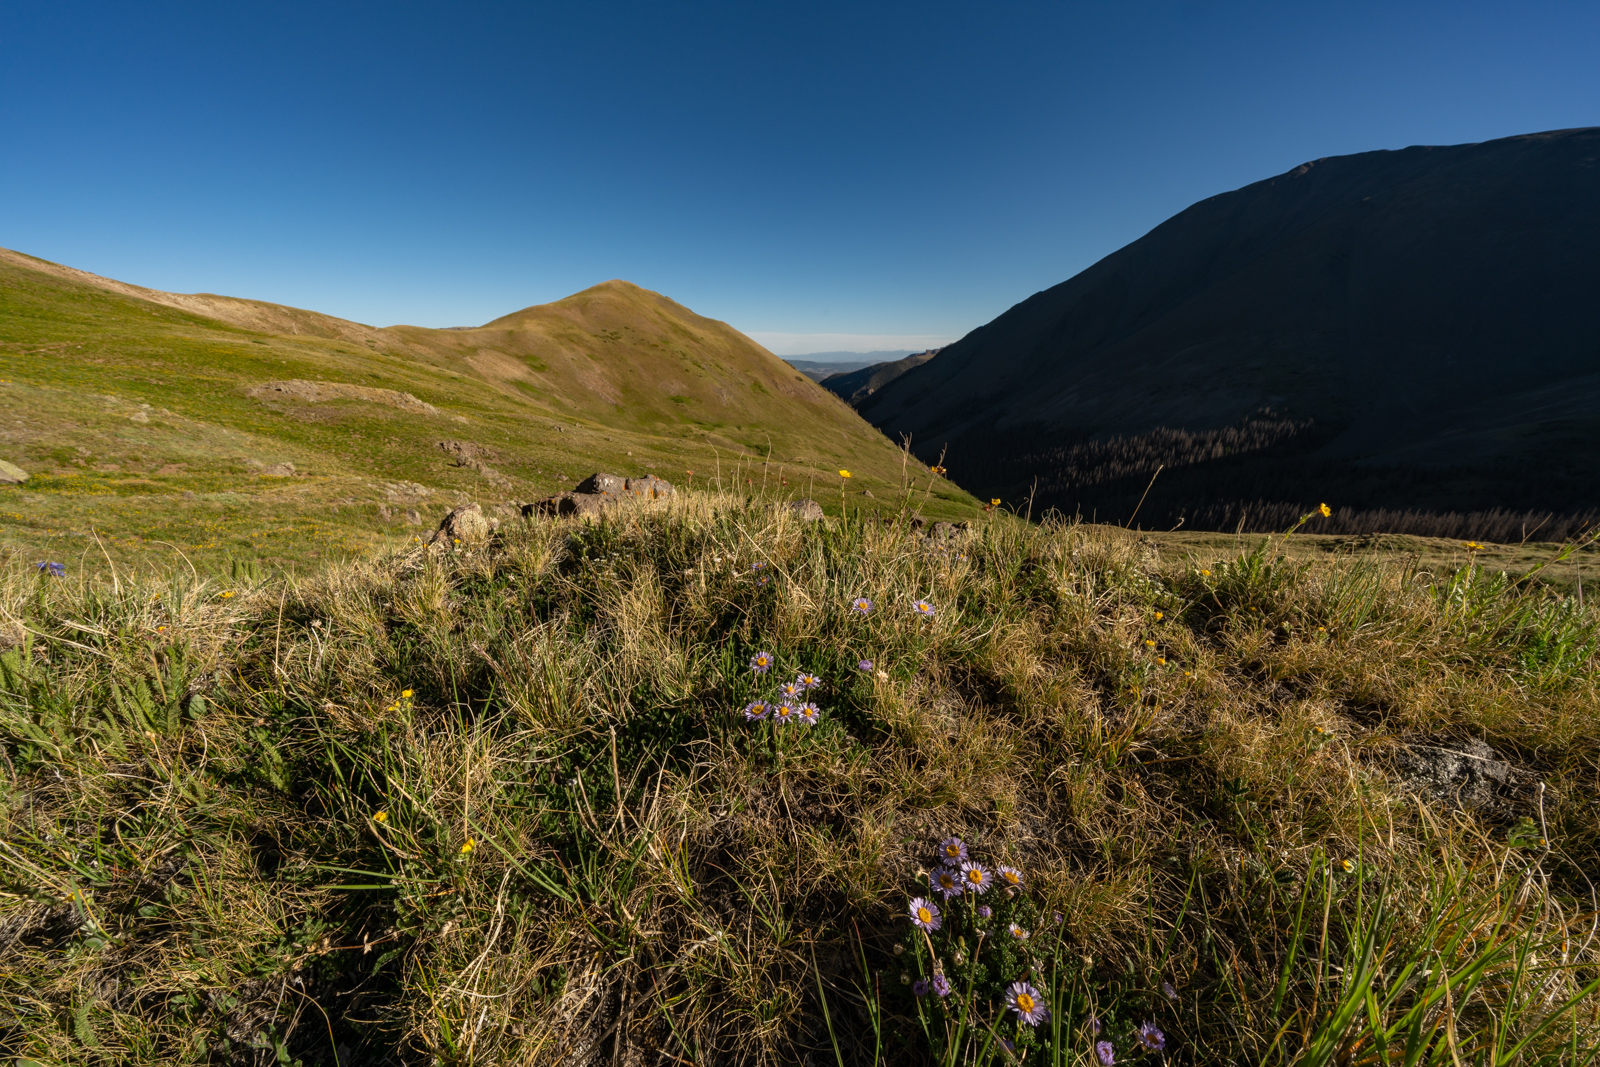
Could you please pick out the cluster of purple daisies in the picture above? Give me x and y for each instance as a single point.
(790, 705)
(957, 873)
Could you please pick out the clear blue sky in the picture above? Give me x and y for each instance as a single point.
(823, 176)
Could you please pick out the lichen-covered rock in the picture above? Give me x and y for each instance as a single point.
(599, 491)
(11, 474)
(602, 485)
(466, 525)
(649, 487)
(805, 510)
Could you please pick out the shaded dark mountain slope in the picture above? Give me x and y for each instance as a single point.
(855, 386)
(1405, 329)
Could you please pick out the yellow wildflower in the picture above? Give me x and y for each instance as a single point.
(1149, 643)
(844, 474)
(1325, 509)
(994, 502)
(1159, 616)
(227, 594)
(1161, 661)
(381, 816)
(1347, 867)
(1473, 546)
(1204, 573)
(406, 693)
(469, 846)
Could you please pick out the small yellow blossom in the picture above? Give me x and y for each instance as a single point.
(227, 594)
(469, 846)
(844, 474)
(1347, 867)
(406, 693)
(381, 816)
(1159, 616)
(1161, 660)
(1149, 643)
(1473, 546)
(994, 502)
(1325, 509)
(1204, 573)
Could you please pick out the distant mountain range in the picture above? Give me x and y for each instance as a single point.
(818, 365)
(856, 385)
(1397, 329)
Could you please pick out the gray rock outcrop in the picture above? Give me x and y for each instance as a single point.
(805, 510)
(466, 525)
(600, 491)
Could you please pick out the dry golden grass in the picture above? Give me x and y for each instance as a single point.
(500, 805)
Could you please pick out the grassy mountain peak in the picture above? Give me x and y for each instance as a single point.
(164, 426)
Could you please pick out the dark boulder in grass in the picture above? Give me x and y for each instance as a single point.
(591, 504)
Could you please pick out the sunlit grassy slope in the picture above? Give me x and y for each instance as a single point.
(134, 411)
(502, 805)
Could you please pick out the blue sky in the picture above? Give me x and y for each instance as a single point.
(824, 177)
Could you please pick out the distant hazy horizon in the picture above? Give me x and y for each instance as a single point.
(825, 178)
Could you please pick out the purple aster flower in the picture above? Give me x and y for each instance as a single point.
(941, 985)
(1104, 1053)
(754, 711)
(1056, 917)
(925, 914)
(790, 690)
(808, 713)
(1017, 932)
(922, 609)
(1166, 987)
(985, 911)
(761, 662)
(919, 988)
(952, 850)
(761, 580)
(865, 665)
(1150, 1038)
(55, 570)
(1025, 1000)
(975, 877)
(1094, 1025)
(783, 711)
(757, 565)
(1009, 876)
(861, 605)
(808, 681)
(947, 880)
